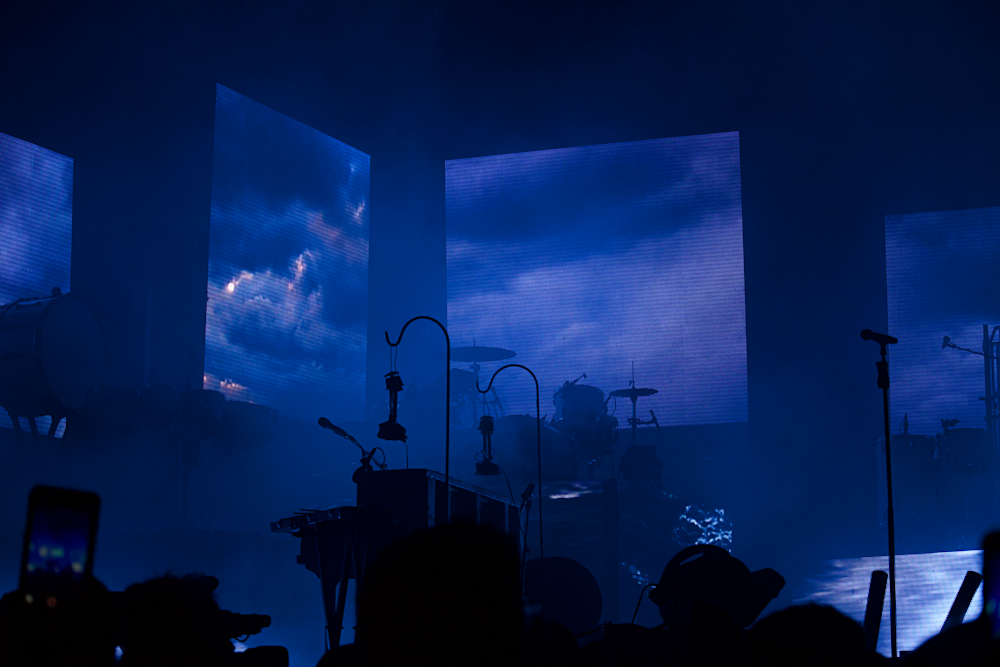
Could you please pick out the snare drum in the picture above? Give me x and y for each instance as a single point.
(51, 354)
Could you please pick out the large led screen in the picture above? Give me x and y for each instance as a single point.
(926, 586)
(288, 264)
(592, 259)
(941, 271)
(36, 226)
(36, 216)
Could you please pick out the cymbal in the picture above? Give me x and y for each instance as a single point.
(632, 392)
(480, 353)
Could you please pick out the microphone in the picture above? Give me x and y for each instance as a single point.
(327, 424)
(946, 342)
(366, 456)
(881, 339)
(527, 492)
(653, 420)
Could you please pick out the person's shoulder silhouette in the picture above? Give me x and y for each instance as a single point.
(449, 595)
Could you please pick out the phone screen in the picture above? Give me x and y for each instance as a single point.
(59, 541)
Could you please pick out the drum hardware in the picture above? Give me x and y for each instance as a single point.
(634, 394)
(578, 406)
(582, 414)
(475, 354)
(496, 401)
(464, 395)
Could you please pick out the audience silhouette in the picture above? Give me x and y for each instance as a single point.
(451, 596)
(173, 621)
(447, 596)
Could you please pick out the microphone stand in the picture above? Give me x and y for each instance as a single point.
(538, 436)
(526, 507)
(360, 475)
(447, 400)
(883, 384)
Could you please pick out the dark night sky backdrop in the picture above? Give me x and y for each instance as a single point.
(846, 112)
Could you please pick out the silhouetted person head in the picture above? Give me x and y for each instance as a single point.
(445, 596)
(70, 628)
(812, 634)
(173, 621)
(968, 645)
(572, 594)
(704, 574)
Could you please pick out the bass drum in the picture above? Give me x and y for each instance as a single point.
(577, 407)
(51, 354)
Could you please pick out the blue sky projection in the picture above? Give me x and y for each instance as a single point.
(941, 272)
(36, 216)
(288, 264)
(36, 226)
(584, 260)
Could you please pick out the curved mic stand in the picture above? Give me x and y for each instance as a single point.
(538, 436)
(447, 399)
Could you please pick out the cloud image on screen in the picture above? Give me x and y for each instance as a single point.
(36, 219)
(940, 273)
(36, 227)
(288, 264)
(592, 259)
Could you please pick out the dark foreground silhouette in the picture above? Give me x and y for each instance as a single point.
(452, 596)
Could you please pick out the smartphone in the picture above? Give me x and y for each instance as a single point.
(991, 582)
(58, 551)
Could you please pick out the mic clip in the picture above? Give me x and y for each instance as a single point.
(487, 466)
(391, 429)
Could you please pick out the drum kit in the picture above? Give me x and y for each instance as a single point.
(581, 432)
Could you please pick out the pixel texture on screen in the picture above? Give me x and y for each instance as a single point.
(36, 226)
(36, 219)
(590, 259)
(286, 321)
(940, 274)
